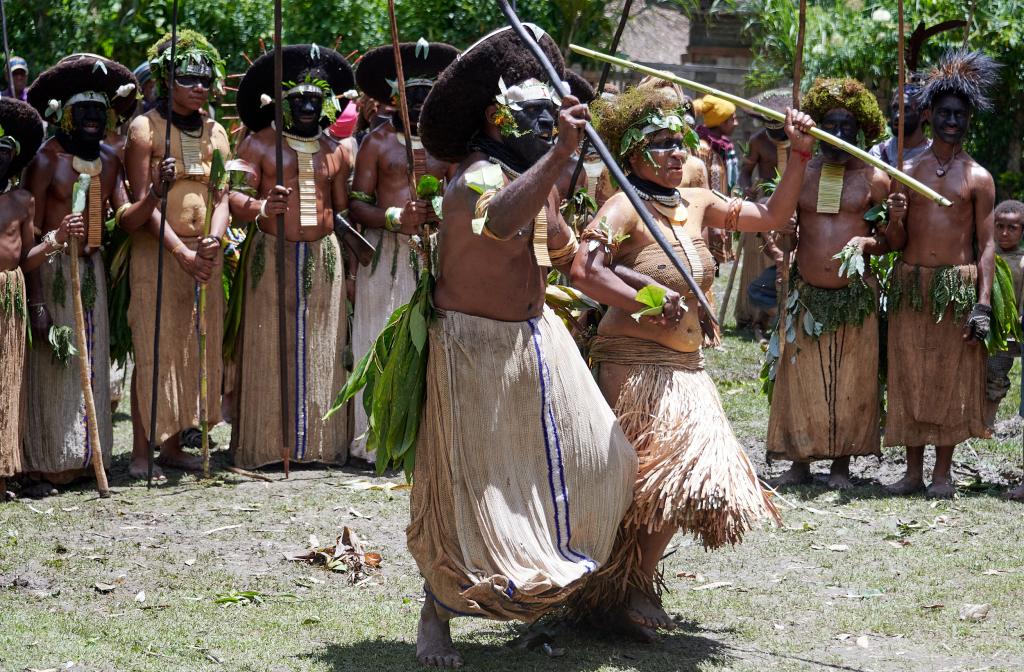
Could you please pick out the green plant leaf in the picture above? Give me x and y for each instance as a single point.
(79, 193)
(428, 187)
(651, 296)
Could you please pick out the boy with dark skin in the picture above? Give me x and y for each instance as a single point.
(315, 318)
(491, 325)
(1009, 224)
(58, 451)
(932, 236)
(823, 405)
(381, 202)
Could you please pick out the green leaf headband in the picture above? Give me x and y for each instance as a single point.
(529, 89)
(636, 137)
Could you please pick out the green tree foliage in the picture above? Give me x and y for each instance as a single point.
(858, 38)
(45, 30)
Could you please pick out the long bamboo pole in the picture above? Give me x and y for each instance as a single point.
(282, 314)
(768, 113)
(613, 168)
(158, 308)
(84, 366)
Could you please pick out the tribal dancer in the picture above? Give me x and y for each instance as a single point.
(522, 473)
(826, 399)
(21, 132)
(380, 198)
(693, 473)
(83, 97)
(940, 295)
(195, 258)
(315, 185)
(719, 155)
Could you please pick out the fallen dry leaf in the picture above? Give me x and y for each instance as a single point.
(685, 575)
(974, 612)
(863, 642)
(714, 585)
(347, 556)
(936, 605)
(190, 562)
(141, 596)
(356, 514)
(843, 636)
(839, 548)
(105, 587)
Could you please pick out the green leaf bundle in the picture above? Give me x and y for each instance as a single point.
(393, 377)
(1005, 318)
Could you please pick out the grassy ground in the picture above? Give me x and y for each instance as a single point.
(852, 582)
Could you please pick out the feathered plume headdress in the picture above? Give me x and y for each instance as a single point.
(969, 74)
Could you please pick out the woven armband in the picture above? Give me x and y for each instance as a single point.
(566, 253)
(363, 197)
(732, 217)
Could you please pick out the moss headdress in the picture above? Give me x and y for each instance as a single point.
(850, 95)
(454, 111)
(302, 65)
(422, 62)
(192, 50)
(968, 74)
(84, 77)
(627, 122)
(22, 124)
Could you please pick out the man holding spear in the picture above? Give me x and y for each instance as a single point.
(382, 200)
(83, 97)
(194, 137)
(315, 172)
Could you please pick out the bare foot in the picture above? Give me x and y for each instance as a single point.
(839, 482)
(940, 490)
(1017, 494)
(434, 639)
(645, 612)
(908, 485)
(798, 474)
(179, 459)
(621, 622)
(39, 490)
(138, 468)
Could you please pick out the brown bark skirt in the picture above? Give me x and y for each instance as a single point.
(826, 402)
(936, 380)
(316, 331)
(13, 305)
(178, 390)
(59, 436)
(754, 262)
(379, 292)
(693, 473)
(522, 473)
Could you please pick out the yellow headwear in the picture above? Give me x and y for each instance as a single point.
(714, 110)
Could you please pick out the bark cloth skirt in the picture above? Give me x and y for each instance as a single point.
(522, 472)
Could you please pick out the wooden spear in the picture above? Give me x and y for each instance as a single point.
(7, 51)
(282, 316)
(403, 110)
(217, 176)
(155, 389)
(769, 113)
(81, 189)
(787, 254)
(901, 62)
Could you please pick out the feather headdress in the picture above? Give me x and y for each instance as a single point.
(968, 74)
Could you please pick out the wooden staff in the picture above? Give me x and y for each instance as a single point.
(724, 309)
(403, 111)
(613, 167)
(901, 88)
(213, 191)
(605, 71)
(787, 255)
(84, 369)
(155, 390)
(282, 317)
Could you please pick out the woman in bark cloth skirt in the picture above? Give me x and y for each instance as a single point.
(693, 474)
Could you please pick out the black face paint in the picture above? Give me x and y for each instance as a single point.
(306, 108)
(911, 113)
(88, 121)
(415, 96)
(842, 124)
(950, 118)
(537, 120)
